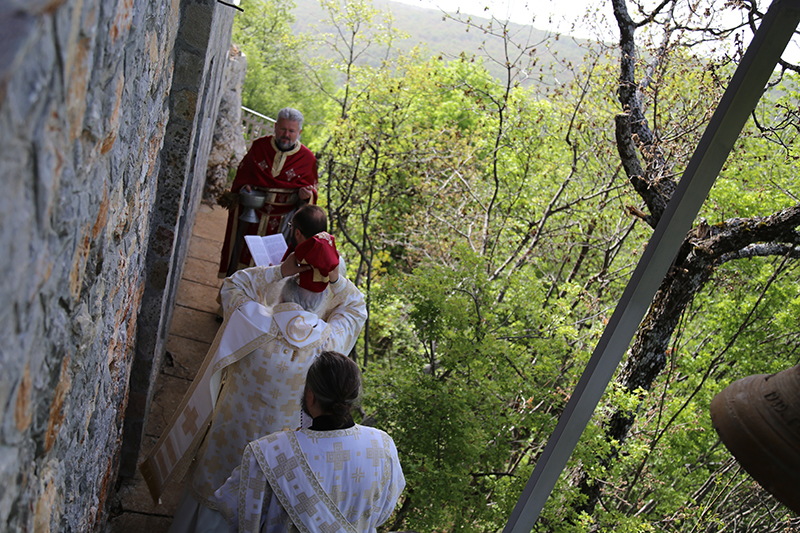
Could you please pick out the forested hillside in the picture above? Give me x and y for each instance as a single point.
(438, 34)
(493, 224)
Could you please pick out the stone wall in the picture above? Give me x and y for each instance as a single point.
(106, 115)
(228, 148)
(201, 55)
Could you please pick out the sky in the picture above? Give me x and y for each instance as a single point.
(555, 15)
(562, 16)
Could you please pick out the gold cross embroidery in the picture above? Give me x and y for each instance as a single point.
(338, 456)
(290, 407)
(296, 381)
(375, 452)
(262, 376)
(306, 504)
(189, 425)
(285, 466)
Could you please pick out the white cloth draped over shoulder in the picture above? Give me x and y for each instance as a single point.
(263, 357)
(345, 480)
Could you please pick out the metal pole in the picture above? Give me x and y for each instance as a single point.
(737, 103)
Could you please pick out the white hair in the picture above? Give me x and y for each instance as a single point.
(289, 113)
(311, 301)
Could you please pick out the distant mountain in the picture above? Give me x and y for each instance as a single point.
(449, 38)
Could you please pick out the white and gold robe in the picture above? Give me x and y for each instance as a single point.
(346, 480)
(264, 358)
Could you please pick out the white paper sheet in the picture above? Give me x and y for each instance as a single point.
(267, 250)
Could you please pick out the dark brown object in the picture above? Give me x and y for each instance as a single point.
(228, 200)
(758, 420)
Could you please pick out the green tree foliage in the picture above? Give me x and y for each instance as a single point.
(275, 73)
(493, 229)
(463, 402)
(675, 434)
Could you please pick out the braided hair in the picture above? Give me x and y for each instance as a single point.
(335, 380)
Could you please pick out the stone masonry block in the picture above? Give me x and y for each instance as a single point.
(188, 69)
(185, 105)
(196, 29)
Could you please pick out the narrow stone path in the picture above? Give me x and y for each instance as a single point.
(191, 333)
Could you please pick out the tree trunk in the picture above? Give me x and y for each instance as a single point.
(704, 249)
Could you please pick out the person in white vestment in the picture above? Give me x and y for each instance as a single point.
(252, 380)
(307, 221)
(332, 476)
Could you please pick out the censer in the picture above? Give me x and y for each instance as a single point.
(250, 201)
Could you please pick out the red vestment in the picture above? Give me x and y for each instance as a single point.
(280, 174)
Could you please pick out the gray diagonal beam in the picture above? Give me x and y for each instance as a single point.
(737, 103)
